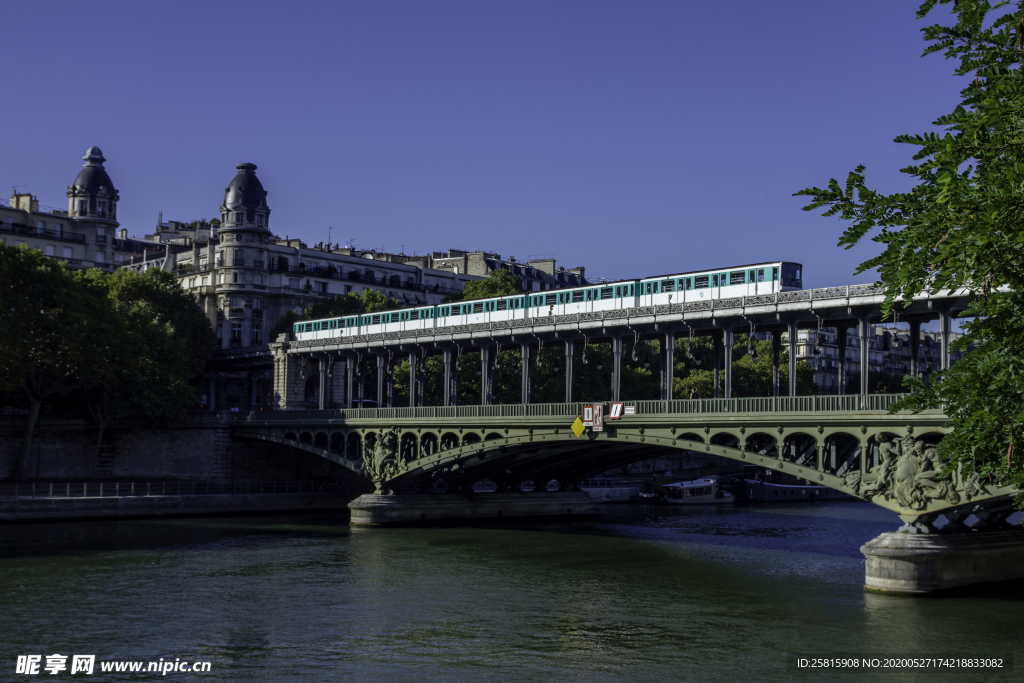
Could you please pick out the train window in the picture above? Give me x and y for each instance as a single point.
(700, 281)
(501, 304)
(668, 285)
(414, 315)
(550, 299)
(577, 295)
(775, 273)
(606, 292)
(478, 307)
(737, 277)
(760, 275)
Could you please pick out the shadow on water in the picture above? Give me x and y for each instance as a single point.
(91, 536)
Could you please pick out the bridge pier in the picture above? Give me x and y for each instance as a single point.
(913, 564)
(427, 508)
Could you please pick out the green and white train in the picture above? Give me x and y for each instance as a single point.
(720, 283)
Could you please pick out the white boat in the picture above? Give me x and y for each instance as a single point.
(696, 492)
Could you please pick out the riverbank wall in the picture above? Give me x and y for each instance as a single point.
(23, 509)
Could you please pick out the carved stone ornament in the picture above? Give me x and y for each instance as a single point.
(910, 473)
(380, 460)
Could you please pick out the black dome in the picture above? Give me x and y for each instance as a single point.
(93, 177)
(245, 191)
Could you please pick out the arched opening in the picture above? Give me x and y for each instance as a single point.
(689, 436)
(470, 438)
(291, 436)
(320, 440)
(306, 438)
(725, 439)
(762, 443)
(337, 442)
(841, 454)
(353, 446)
(449, 440)
(407, 449)
(800, 449)
(428, 444)
(492, 436)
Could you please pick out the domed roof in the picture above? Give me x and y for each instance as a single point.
(93, 177)
(245, 190)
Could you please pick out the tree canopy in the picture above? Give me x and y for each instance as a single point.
(960, 226)
(497, 283)
(121, 345)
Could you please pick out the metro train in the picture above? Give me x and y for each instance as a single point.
(720, 283)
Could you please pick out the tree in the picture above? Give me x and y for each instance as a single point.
(156, 346)
(960, 226)
(364, 301)
(497, 283)
(47, 327)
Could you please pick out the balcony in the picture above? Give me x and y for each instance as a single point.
(45, 233)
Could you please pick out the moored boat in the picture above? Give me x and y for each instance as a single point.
(765, 492)
(707, 490)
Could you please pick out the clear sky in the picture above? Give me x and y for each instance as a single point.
(633, 137)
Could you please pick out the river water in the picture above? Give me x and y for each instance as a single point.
(697, 593)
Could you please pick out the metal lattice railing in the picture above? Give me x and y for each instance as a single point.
(710, 406)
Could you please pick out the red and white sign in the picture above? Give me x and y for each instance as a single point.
(588, 416)
(598, 417)
(615, 411)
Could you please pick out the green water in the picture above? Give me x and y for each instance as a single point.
(643, 594)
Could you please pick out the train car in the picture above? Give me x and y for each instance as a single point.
(722, 283)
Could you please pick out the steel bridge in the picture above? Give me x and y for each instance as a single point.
(850, 443)
(322, 373)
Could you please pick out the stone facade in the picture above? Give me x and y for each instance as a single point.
(85, 235)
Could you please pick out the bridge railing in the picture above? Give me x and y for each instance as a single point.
(708, 406)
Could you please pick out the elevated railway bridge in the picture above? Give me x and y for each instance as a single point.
(851, 442)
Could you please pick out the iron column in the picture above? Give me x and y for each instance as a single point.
(448, 380)
(524, 366)
(485, 375)
(727, 360)
(349, 380)
(943, 340)
(616, 368)
(321, 376)
(791, 332)
(776, 350)
(668, 360)
(570, 358)
(412, 379)
(863, 329)
(841, 360)
(915, 346)
(380, 380)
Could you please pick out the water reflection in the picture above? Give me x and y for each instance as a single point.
(645, 594)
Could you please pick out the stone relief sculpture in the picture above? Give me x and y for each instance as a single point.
(910, 472)
(380, 459)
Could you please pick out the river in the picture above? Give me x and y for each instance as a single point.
(728, 593)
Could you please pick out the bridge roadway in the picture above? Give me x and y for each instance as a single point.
(326, 369)
(850, 443)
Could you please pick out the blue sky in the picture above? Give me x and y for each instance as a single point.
(634, 138)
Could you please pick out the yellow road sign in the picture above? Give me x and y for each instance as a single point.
(577, 427)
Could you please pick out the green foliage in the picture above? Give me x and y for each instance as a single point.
(125, 344)
(364, 301)
(497, 283)
(959, 226)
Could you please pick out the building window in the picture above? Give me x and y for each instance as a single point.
(67, 252)
(101, 257)
(234, 278)
(81, 206)
(50, 250)
(236, 332)
(256, 333)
